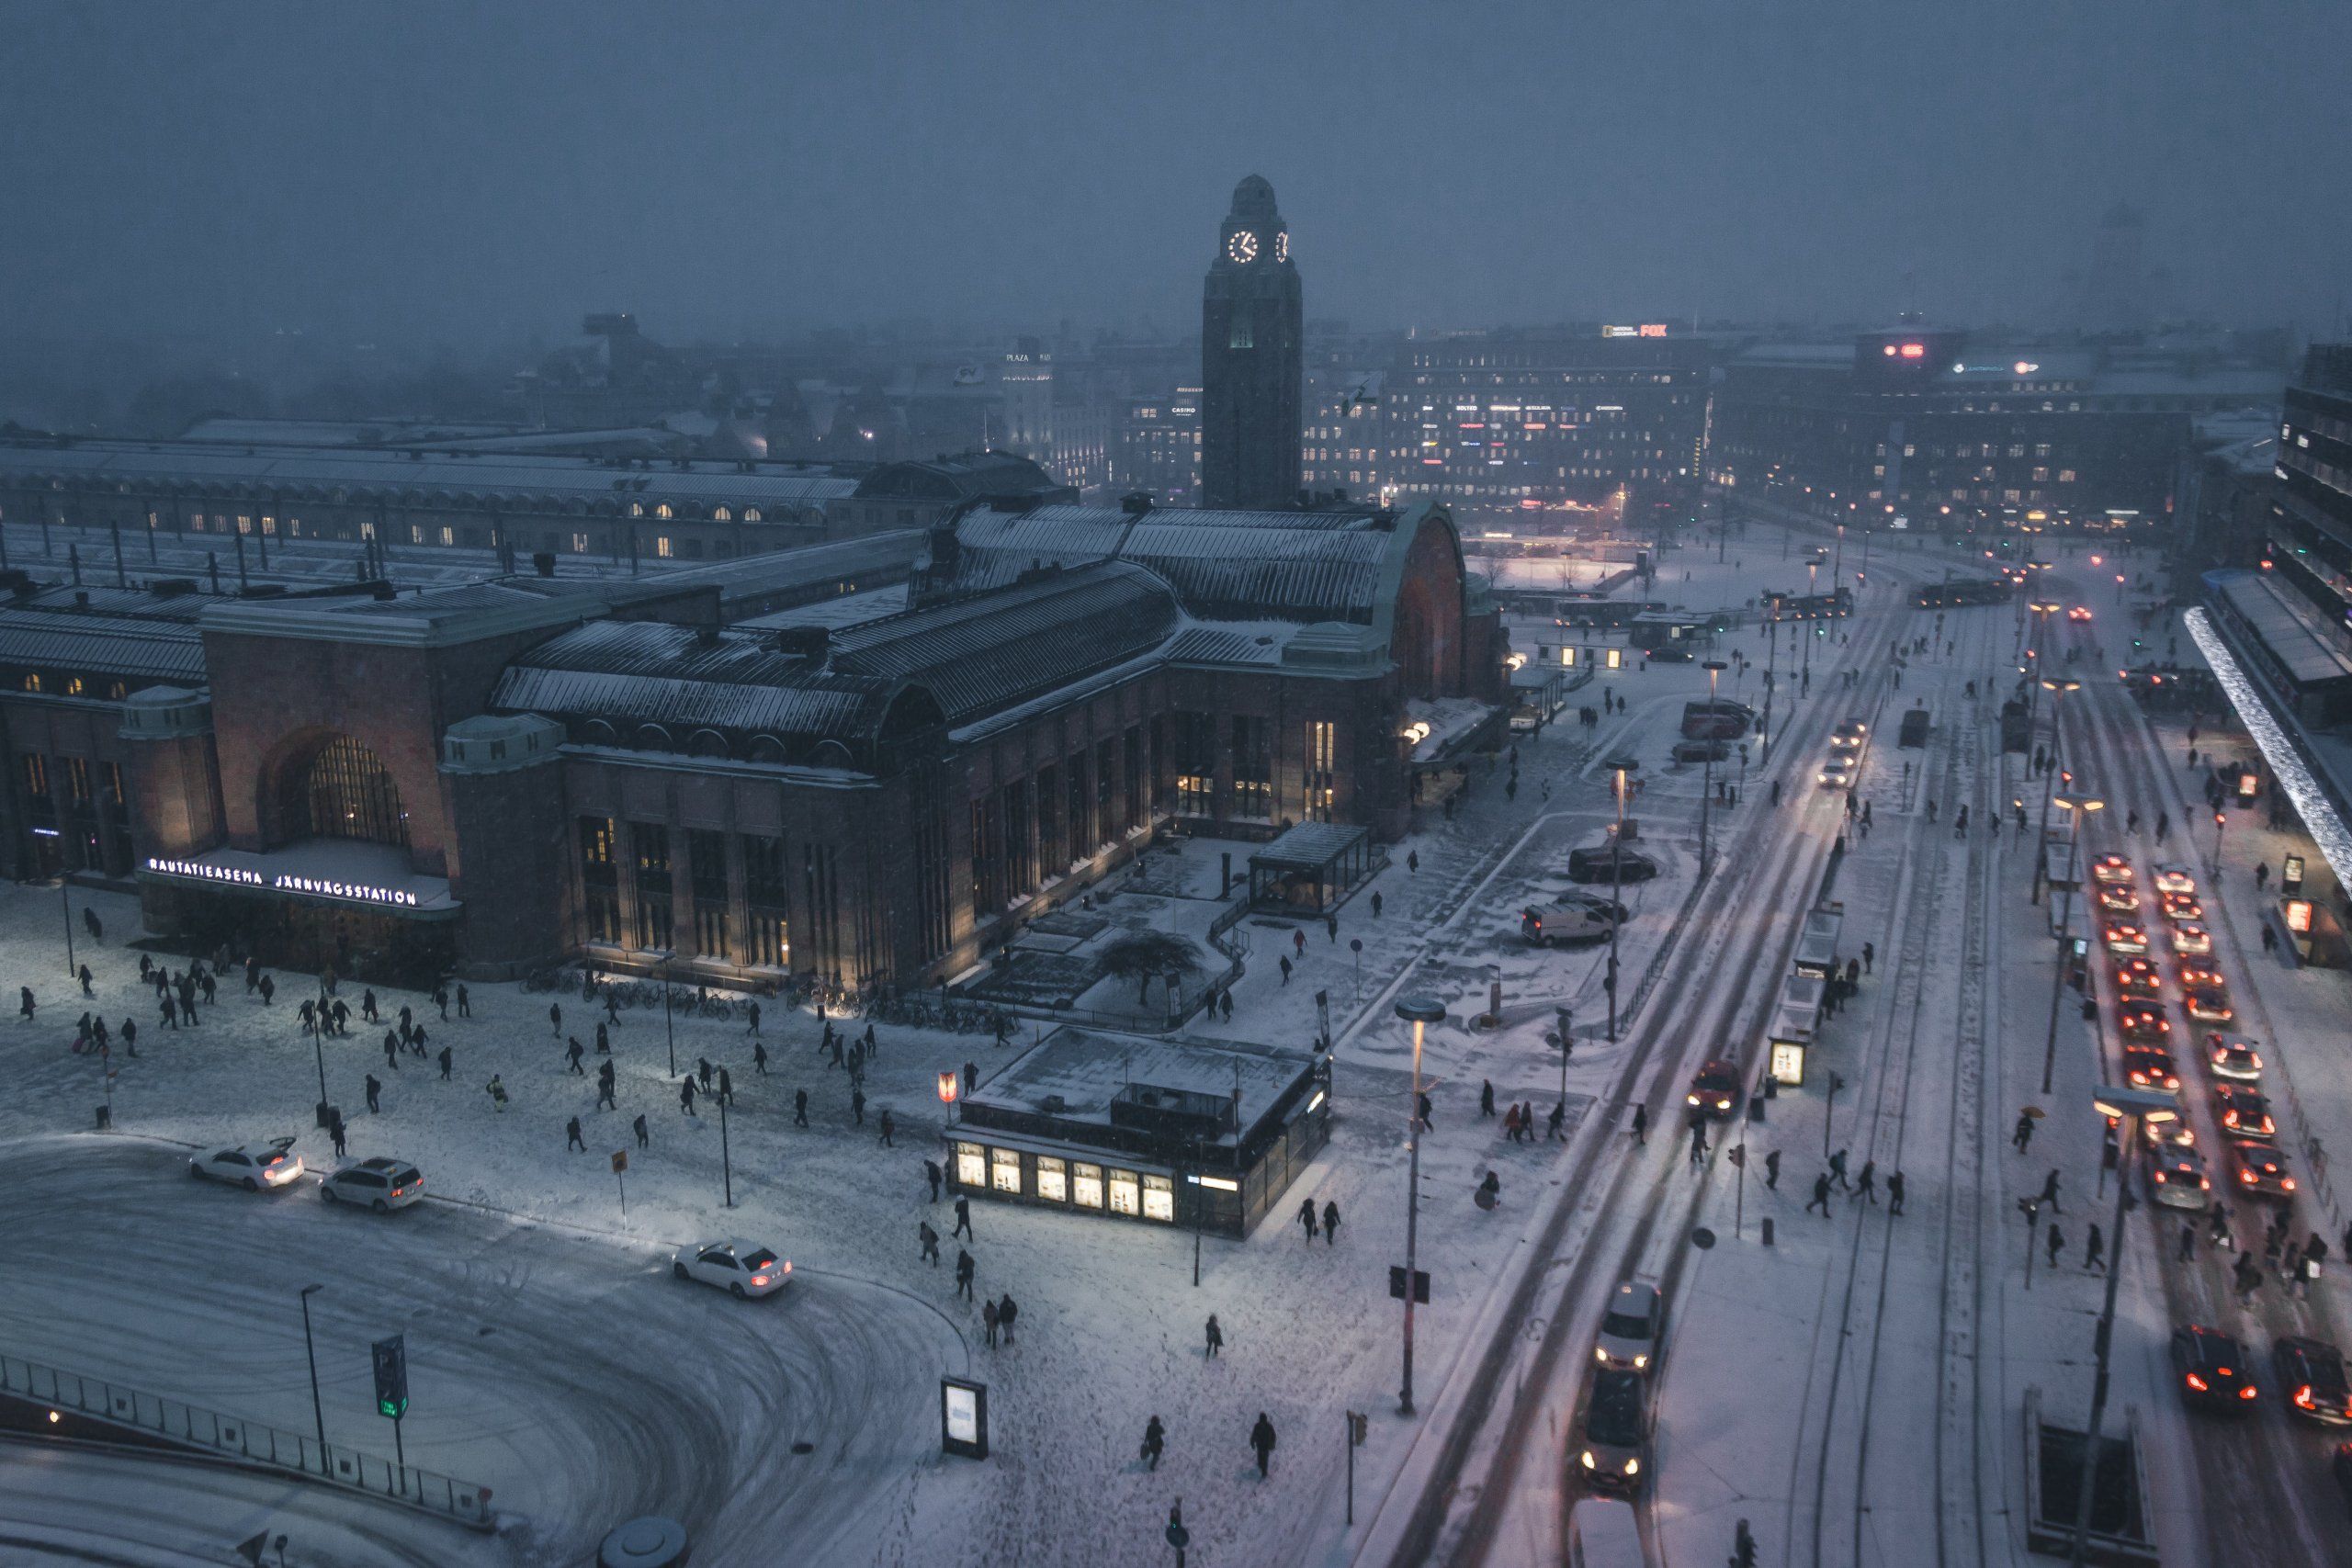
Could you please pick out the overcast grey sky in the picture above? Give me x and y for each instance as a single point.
(442, 172)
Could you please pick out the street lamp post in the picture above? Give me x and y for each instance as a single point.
(2058, 690)
(1618, 765)
(65, 903)
(1813, 592)
(2081, 804)
(2037, 659)
(2129, 1106)
(1771, 664)
(318, 1411)
(1714, 669)
(1421, 1012)
(1838, 566)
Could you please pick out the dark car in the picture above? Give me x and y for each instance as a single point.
(2150, 1067)
(2243, 1112)
(1615, 1440)
(2311, 1374)
(2212, 1368)
(1593, 866)
(1699, 751)
(2142, 1024)
(1715, 1088)
(2260, 1171)
(2137, 977)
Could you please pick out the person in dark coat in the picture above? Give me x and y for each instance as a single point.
(1895, 1194)
(336, 1131)
(964, 1271)
(1640, 1123)
(1215, 1337)
(964, 1220)
(1154, 1438)
(989, 1318)
(1332, 1225)
(726, 1088)
(934, 1174)
(760, 1057)
(555, 1018)
(1261, 1443)
(374, 1089)
(644, 1135)
(572, 1138)
(25, 1003)
(1007, 1310)
(929, 1238)
(686, 1094)
(1307, 1218)
(857, 1105)
(268, 989)
(604, 1039)
(888, 1128)
(2049, 1189)
(573, 1052)
(465, 1002)
(1486, 1096)
(800, 1107)
(603, 1087)
(1820, 1195)
(445, 1064)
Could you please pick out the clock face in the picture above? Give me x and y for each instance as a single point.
(1243, 246)
(1282, 246)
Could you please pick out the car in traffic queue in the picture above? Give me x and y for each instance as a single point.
(1715, 1088)
(2207, 1006)
(2112, 870)
(2180, 908)
(2200, 978)
(2310, 1376)
(2259, 1169)
(2236, 1060)
(2150, 1067)
(2160, 1133)
(2123, 936)
(267, 1166)
(1613, 1438)
(2191, 939)
(2212, 1368)
(1634, 1327)
(2243, 1113)
(379, 1184)
(2138, 977)
(1838, 771)
(2142, 1024)
(738, 1268)
(2177, 1177)
(1849, 736)
(2172, 877)
(2119, 899)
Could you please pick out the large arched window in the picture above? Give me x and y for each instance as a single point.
(348, 794)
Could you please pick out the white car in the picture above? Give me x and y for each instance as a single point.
(2191, 939)
(382, 1185)
(251, 1166)
(740, 1267)
(2175, 879)
(1633, 1327)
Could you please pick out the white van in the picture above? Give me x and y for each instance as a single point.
(1544, 924)
(1602, 1534)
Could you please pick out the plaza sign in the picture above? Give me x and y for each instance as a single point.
(316, 886)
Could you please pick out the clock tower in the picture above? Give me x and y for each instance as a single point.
(1252, 360)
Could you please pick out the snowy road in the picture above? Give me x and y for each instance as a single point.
(571, 1374)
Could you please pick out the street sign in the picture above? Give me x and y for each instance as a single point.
(391, 1376)
(620, 1161)
(1421, 1284)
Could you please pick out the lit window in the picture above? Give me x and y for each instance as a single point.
(971, 1166)
(662, 545)
(1158, 1198)
(721, 514)
(1053, 1182)
(751, 514)
(1086, 1185)
(1125, 1193)
(1004, 1170)
(636, 509)
(578, 544)
(663, 512)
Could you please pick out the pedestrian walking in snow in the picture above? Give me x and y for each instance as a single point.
(496, 1089)
(1375, 903)
(391, 1052)
(1820, 1195)
(25, 1003)
(1870, 957)
(1552, 1123)
(465, 1002)
(2050, 1190)
(1154, 1438)
(375, 1089)
(702, 1072)
(1510, 1123)
(1698, 1145)
(857, 1105)
(1641, 1124)
(131, 1036)
(1216, 1337)
(760, 1058)
(726, 1087)
(84, 974)
(2219, 1228)
(644, 1134)
(1284, 962)
(1306, 1219)
(2094, 1251)
(1298, 943)
(555, 1019)
(2022, 1135)
(1837, 1171)
(686, 1094)
(2054, 1241)
(604, 1039)
(1895, 1194)
(1413, 861)
(800, 1107)
(1008, 1312)
(931, 1173)
(889, 1128)
(964, 1220)
(605, 1087)
(572, 1053)
(928, 1240)
(1488, 1192)
(987, 1317)
(572, 1140)
(445, 1064)
(1261, 1443)
(1866, 1186)
(1331, 927)
(964, 1271)
(1428, 1125)
(1486, 1096)
(1332, 1225)
(1772, 1171)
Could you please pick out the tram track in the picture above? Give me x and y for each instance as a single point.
(1733, 963)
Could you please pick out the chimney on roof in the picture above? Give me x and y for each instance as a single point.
(707, 634)
(1134, 503)
(811, 643)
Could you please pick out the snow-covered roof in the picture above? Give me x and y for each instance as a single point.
(80, 643)
(1073, 1074)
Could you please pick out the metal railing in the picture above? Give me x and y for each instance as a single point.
(194, 1428)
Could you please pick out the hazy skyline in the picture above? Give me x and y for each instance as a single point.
(445, 175)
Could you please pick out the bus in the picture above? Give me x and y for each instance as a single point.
(1954, 592)
(1811, 606)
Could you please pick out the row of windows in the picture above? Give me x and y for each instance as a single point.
(65, 685)
(1076, 1182)
(767, 939)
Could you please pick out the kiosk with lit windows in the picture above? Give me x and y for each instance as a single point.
(1205, 1134)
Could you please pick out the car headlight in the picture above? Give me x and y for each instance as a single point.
(1599, 1354)
(1633, 1467)
(1586, 1458)
(1691, 1099)
(1640, 1363)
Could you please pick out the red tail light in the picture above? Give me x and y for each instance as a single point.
(2197, 1383)
(2246, 1393)
(2304, 1396)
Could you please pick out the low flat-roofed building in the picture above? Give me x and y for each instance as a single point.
(1173, 1131)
